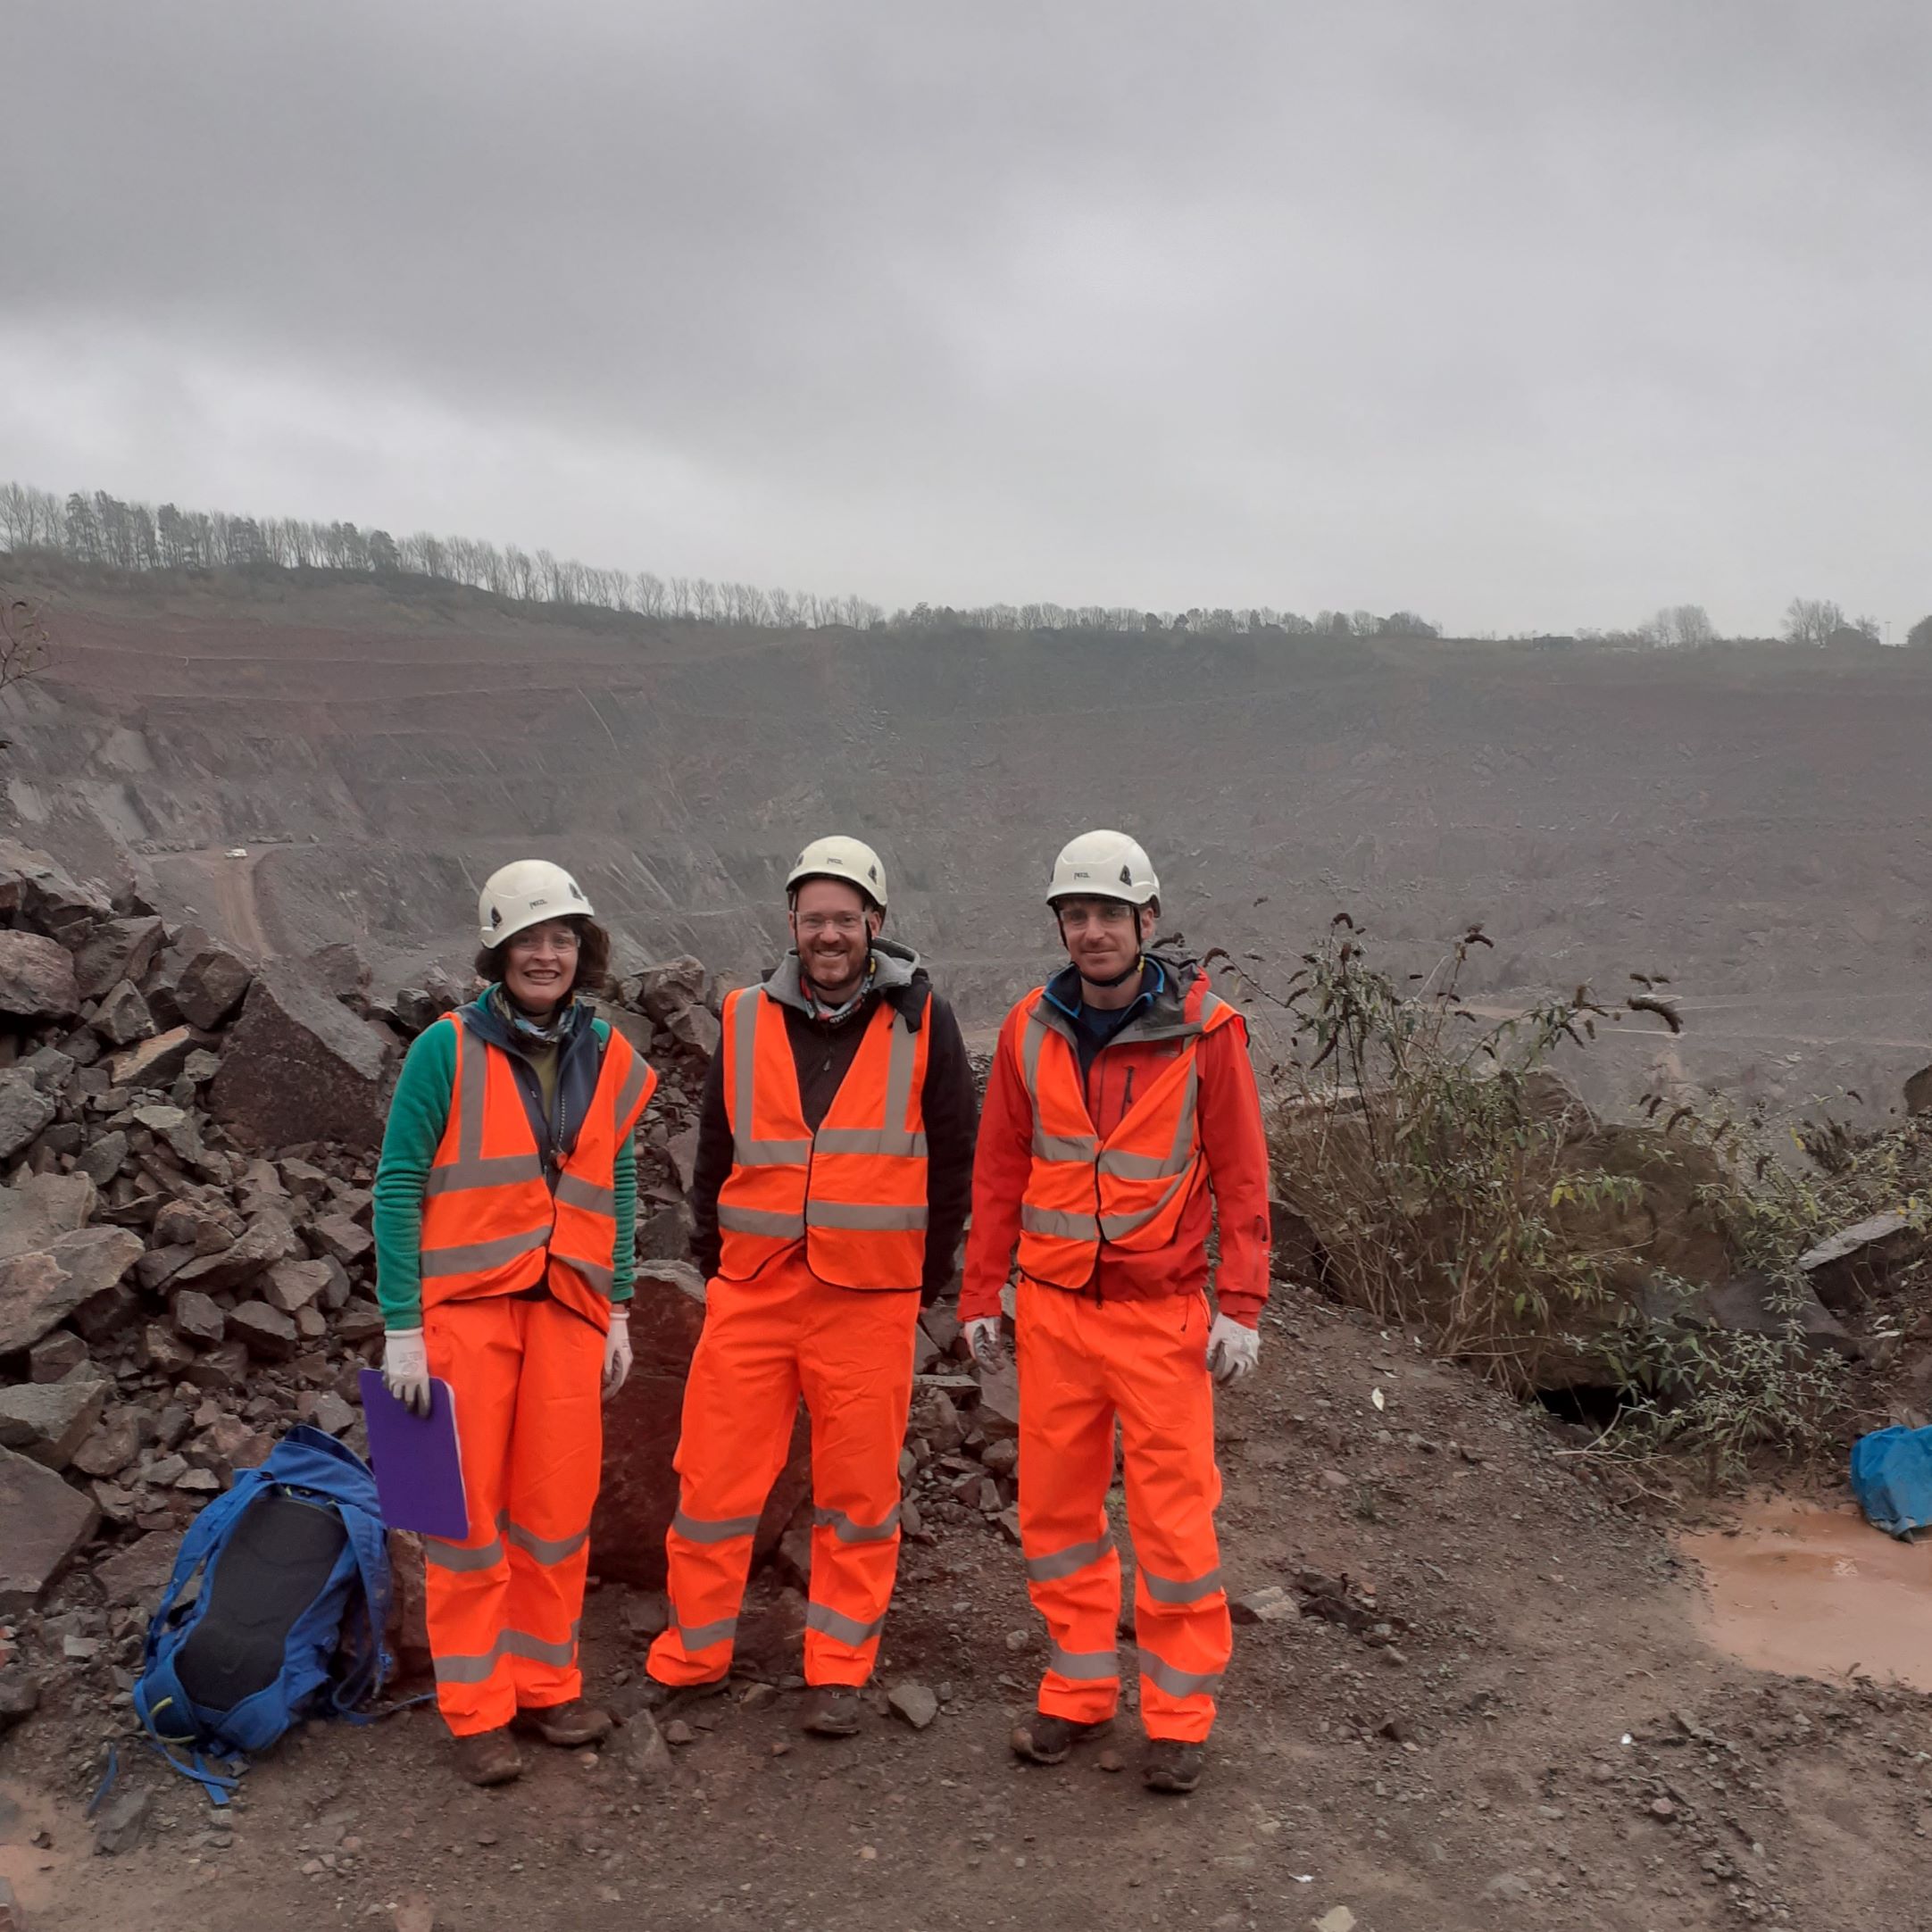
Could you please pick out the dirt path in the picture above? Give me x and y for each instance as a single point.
(1525, 1729)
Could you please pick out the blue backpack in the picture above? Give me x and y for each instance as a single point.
(276, 1609)
(1892, 1479)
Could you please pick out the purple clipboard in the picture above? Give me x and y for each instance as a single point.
(418, 1461)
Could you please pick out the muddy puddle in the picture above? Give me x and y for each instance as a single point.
(1812, 1590)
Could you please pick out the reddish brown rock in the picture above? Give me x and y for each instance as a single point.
(298, 1066)
(43, 1522)
(640, 1434)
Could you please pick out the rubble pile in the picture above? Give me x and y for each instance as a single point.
(187, 1265)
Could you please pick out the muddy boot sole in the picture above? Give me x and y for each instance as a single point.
(1044, 1740)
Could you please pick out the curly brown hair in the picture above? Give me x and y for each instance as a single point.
(593, 959)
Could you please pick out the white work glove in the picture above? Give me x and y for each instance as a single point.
(406, 1368)
(983, 1338)
(1233, 1350)
(616, 1352)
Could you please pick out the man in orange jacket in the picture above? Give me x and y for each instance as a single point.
(1121, 1097)
(833, 1168)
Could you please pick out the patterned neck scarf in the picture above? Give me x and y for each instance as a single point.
(551, 1032)
(831, 1016)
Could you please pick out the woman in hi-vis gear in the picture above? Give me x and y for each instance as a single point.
(505, 1212)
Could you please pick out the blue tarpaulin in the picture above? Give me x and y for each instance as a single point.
(1892, 1479)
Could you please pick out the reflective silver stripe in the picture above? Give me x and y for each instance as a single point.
(1166, 1590)
(835, 1623)
(741, 1220)
(1177, 1683)
(574, 1191)
(1080, 1147)
(544, 1548)
(1076, 1556)
(479, 1667)
(1029, 1057)
(1051, 1221)
(1084, 1666)
(747, 1152)
(598, 1274)
(487, 1170)
(702, 1636)
(455, 1556)
(473, 1073)
(479, 1254)
(630, 1095)
(719, 1530)
(849, 1214)
(1113, 1227)
(1179, 1157)
(869, 1140)
(849, 1531)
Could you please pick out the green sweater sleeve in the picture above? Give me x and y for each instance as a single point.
(624, 1186)
(418, 1115)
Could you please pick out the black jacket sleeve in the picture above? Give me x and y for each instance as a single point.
(952, 1109)
(712, 1169)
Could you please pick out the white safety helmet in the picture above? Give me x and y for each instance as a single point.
(849, 858)
(525, 893)
(1103, 865)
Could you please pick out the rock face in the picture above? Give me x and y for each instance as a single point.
(40, 1289)
(42, 1523)
(640, 1434)
(299, 1067)
(121, 949)
(36, 978)
(43, 1207)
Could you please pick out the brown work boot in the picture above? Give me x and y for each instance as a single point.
(488, 1757)
(1171, 1766)
(568, 1724)
(832, 1710)
(1041, 1739)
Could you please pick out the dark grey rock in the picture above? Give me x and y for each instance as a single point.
(43, 1523)
(41, 1288)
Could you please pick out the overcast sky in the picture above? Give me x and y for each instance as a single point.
(1524, 316)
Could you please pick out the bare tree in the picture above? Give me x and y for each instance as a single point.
(24, 648)
(1812, 620)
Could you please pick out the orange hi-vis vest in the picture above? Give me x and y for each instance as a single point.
(853, 1193)
(491, 1223)
(1130, 1189)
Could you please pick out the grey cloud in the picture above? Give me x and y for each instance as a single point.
(1521, 314)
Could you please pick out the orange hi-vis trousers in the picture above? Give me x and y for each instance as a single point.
(1081, 1364)
(849, 1353)
(503, 1606)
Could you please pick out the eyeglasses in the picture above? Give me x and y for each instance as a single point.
(566, 940)
(846, 924)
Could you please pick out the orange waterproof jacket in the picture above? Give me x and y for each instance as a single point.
(1101, 1185)
(854, 1192)
(491, 1222)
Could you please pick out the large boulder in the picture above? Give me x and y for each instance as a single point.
(640, 1434)
(121, 949)
(155, 1063)
(199, 980)
(24, 1111)
(41, 1208)
(122, 1017)
(41, 1288)
(43, 1522)
(49, 1421)
(36, 978)
(1845, 1271)
(36, 891)
(299, 1066)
